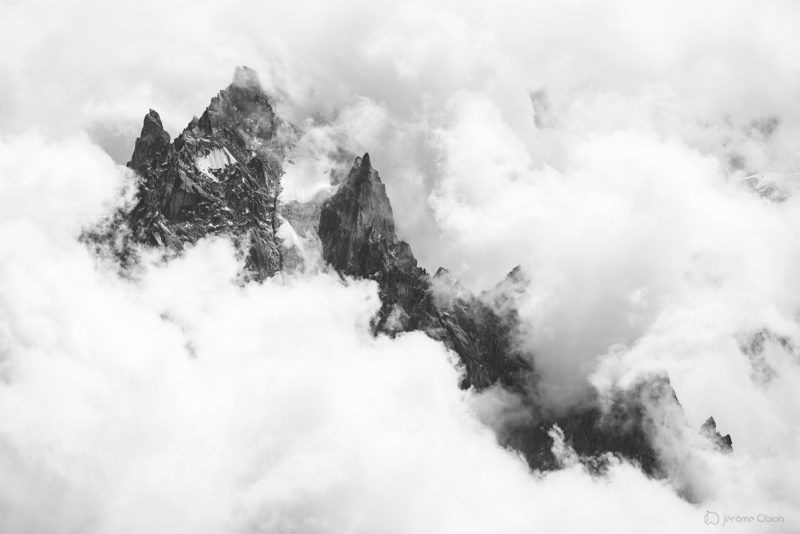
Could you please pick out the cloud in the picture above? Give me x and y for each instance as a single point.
(183, 401)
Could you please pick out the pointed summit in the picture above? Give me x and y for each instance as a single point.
(246, 77)
(709, 430)
(362, 164)
(243, 107)
(154, 118)
(357, 223)
(221, 176)
(151, 125)
(153, 143)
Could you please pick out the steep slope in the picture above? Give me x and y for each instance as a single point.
(220, 176)
(358, 238)
(709, 430)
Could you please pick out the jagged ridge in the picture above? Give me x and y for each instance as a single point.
(222, 176)
(358, 239)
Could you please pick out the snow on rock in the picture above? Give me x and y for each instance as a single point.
(289, 236)
(217, 158)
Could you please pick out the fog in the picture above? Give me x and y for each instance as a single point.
(637, 159)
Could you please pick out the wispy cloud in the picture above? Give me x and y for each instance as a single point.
(182, 401)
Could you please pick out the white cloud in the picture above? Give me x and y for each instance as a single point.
(184, 401)
(645, 251)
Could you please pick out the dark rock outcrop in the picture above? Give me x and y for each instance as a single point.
(358, 238)
(709, 430)
(623, 424)
(221, 176)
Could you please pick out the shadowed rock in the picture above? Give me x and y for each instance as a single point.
(220, 176)
(709, 430)
(358, 238)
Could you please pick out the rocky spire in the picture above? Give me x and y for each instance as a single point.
(152, 124)
(358, 238)
(357, 225)
(153, 143)
(709, 430)
(246, 77)
(221, 176)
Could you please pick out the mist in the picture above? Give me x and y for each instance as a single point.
(639, 160)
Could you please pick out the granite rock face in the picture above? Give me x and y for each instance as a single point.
(222, 176)
(358, 238)
(356, 228)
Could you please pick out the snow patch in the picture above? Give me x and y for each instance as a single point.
(217, 158)
(289, 236)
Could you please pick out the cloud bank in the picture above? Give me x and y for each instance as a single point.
(616, 150)
(183, 401)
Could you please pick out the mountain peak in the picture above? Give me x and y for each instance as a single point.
(153, 143)
(709, 430)
(153, 116)
(357, 223)
(152, 124)
(246, 77)
(222, 176)
(243, 107)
